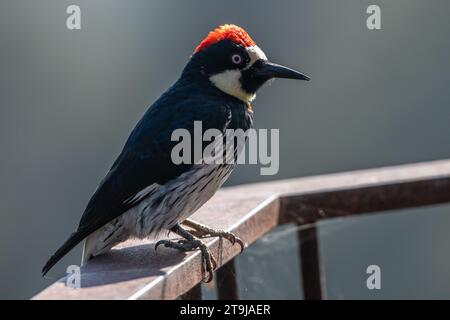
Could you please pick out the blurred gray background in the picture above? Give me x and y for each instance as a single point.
(68, 100)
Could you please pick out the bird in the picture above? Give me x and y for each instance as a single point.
(145, 194)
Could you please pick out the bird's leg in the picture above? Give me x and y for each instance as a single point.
(203, 231)
(191, 243)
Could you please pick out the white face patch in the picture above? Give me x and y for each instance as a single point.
(229, 81)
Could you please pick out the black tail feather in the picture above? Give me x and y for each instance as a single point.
(74, 239)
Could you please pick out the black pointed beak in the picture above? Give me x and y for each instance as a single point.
(271, 70)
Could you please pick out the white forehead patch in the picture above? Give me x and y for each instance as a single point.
(255, 54)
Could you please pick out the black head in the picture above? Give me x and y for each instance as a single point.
(231, 60)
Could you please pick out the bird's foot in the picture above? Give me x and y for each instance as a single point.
(190, 243)
(202, 231)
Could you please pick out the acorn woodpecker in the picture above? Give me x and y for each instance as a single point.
(145, 193)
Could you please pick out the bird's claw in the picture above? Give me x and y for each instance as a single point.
(209, 264)
(192, 241)
(208, 233)
(233, 239)
(166, 244)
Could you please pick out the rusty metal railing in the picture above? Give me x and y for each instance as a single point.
(135, 271)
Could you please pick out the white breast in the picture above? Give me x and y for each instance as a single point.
(162, 207)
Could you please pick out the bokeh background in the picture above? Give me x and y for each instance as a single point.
(68, 100)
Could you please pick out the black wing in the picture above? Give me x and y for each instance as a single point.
(145, 160)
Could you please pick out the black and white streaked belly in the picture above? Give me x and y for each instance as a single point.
(162, 207)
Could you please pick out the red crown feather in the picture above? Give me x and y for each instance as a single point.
(227, 31)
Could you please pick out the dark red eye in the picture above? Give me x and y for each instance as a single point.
(236, 58)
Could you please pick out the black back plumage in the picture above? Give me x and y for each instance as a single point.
(146, 156)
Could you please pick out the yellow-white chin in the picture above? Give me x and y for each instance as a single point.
(229, 81)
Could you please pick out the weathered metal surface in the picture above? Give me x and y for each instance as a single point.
(312, 275)
(194, 294)
(134, 271)
(378, 198)
(226, 280)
